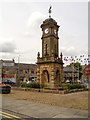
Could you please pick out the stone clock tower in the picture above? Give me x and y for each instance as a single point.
(50, 66)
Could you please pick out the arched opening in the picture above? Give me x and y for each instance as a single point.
(45, 77)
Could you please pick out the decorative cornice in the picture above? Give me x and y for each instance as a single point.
(49, 36)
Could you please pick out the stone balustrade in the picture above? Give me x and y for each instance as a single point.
(49, 59)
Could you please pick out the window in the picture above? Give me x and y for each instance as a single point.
(21, 71)
(69, 74)
(46, 49)
(74, 74)
(32, 71)
(55, 49)
(7, 71)
(27, 71)
(65, 74)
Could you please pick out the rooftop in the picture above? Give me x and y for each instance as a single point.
(26, 66)
(7, 61)
(69, 69)
(49, 20)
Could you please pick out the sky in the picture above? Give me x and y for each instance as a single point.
(20, 32)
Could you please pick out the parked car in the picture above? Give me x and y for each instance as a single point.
(9, 82)
(5, 88)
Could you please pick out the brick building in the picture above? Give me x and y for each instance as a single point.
(20, 72)
(86, 73)
(8, 69)
(27, 72)
(17, 72)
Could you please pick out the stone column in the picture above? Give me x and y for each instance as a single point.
(61, 73)
(38, 74)
(52, 79)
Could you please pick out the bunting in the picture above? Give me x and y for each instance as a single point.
(81, 59)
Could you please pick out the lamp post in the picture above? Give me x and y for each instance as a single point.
(78, 71)
(18, 75)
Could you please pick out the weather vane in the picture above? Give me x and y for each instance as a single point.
(50, 11)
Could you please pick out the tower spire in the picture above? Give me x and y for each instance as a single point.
(50, 11)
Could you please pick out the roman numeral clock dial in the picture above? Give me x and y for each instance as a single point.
(46, 31)
(55, 31)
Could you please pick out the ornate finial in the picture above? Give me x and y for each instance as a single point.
(61, 55)
(50, 11)
(38, 54)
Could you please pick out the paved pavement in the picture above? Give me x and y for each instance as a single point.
(39, 110)
(0, 105)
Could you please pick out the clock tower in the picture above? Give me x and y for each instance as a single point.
(50, 65)
(49, 37)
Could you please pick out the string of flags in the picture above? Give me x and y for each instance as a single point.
(81, 59)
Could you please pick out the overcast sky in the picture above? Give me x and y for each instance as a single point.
(20, 32)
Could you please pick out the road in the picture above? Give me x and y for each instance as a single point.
(4, 114)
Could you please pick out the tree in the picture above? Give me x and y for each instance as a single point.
(77, 66)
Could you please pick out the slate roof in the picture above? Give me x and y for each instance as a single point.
(7, 61)
(10, 67)
(69, 69)
(26, 66)
(20, 65)
(50, 20)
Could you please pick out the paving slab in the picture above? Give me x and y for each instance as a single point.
(39, 110)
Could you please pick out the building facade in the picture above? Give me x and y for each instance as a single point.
(17, 72)
(21, 72)
(86, 73)
(8, 70)
(26, 72)
(71, 74)
(50, 66)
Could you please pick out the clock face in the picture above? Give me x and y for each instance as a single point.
(46, 30)
(55, 31)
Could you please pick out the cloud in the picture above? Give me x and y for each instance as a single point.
(33, 31)
(0, 19)
(69, 51)
(27, 33)
(35, 19)
(8, 47)
(33, 24)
